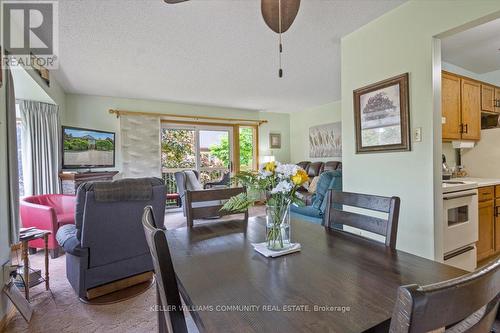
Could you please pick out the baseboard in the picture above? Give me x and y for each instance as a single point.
(7, 318)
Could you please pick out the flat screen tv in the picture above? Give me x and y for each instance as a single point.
(87, 148)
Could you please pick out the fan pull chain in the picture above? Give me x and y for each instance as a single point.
(280, 72)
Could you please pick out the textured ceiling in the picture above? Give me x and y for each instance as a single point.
(213, 52)
(476, 49)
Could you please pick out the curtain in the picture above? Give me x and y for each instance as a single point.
(140, 146)
(12, 168)
(40, 147)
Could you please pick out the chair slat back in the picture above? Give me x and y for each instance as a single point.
(170, 315)
(385, 227)
(467, 304)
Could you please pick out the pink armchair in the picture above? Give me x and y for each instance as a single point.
(47, 212)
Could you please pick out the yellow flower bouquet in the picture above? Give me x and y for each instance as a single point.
(280, 182)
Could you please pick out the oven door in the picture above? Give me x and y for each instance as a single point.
(460, 219)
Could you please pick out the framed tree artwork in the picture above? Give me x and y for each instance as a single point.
(382, 116)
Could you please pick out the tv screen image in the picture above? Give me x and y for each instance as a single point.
(86, 148)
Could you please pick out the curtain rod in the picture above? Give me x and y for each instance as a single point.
(140, 113)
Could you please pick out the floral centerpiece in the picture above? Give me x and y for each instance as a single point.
(280, 183)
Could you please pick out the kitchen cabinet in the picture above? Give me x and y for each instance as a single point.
(461, 108)
(488, 98)
(497, 100)
(450, 107)
(471, 109)
(486, 242)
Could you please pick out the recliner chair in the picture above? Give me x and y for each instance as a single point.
(107, 242)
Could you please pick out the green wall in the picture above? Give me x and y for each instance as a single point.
(300, 122)
(398, 42)
(92, 112)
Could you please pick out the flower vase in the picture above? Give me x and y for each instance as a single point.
(278, 227)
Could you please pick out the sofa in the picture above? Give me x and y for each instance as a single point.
(107, 242)
(47, 212)
(315, 207)
(315, 169)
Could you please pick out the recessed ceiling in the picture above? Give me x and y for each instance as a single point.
(217, 52)
(476, 49)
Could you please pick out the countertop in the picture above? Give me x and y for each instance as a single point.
(481, 182)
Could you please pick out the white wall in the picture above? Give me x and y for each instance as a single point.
(300, 122)
(4, 217)
(484, 159)
(92, 112)
(398, 42)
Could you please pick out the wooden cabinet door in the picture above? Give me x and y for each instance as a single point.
(497, 230)
(497, 99)
(487, 98)
(450, 106)
(486, 243)
(471, 109)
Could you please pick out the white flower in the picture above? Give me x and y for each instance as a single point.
(263, 174)
(283, 186)
(286, 170)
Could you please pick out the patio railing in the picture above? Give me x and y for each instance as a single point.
(207, 174)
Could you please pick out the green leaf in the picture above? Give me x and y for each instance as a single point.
(237, 204)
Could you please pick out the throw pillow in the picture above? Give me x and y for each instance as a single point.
(313, 184)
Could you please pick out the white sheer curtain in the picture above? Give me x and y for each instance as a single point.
(40, 147)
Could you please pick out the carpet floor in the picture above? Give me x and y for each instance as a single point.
(59, 309)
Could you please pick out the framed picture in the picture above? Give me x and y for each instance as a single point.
(325, 140)
(382, 116)
(274, 140)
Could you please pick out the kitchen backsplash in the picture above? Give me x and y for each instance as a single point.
(484, 159)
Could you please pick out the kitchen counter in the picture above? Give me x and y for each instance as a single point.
(481, 182)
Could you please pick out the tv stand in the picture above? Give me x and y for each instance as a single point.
(71, 181)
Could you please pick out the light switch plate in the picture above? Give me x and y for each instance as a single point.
(443, 120)
(418, 134)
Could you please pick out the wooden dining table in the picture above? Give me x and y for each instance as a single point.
(338, 282)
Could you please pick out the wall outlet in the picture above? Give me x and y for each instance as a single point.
(418, 134)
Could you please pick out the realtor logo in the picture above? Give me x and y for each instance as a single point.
(30, 31)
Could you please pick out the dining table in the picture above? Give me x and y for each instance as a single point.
(337, 282)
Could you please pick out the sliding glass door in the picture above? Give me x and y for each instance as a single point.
(207, 149)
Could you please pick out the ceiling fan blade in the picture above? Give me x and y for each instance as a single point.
(174, 1)
(270, 12)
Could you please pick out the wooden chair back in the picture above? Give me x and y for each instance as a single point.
(335, 214)
(468, 303)
(170, 311)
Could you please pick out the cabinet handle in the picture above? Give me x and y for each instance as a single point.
(461, 128)
(466, 128)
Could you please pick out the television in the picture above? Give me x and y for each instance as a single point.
(87, 148)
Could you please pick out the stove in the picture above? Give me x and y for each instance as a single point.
(450, 186)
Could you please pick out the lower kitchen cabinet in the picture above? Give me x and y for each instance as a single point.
(486, 243)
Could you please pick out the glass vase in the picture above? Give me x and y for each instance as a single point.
(278, 227)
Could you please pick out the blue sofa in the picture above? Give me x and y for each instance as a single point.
(107, 242)
(314, 213)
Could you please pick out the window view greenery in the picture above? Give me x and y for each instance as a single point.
(177, 148)
(221, 150)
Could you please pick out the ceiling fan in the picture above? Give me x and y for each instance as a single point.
(278, 15)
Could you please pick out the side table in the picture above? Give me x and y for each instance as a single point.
(24, 239)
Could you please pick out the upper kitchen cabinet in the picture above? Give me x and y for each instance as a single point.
(471, 109)
(461, 108)
(450, 107)
(488, 98)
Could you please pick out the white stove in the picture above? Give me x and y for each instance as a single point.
(460, 223)
(457, 185)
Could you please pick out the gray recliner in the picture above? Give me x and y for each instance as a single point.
(107, 242)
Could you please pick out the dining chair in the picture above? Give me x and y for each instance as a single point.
(335, 215)
(467, 304)
(170, 312)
